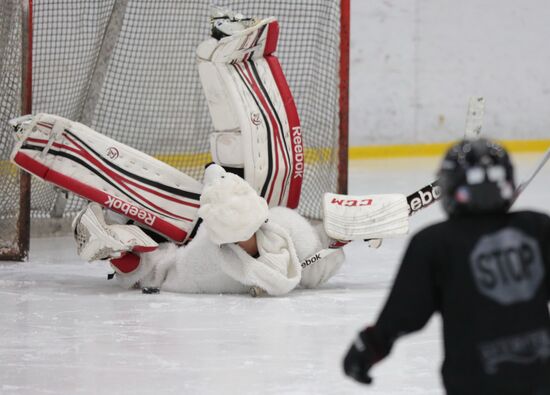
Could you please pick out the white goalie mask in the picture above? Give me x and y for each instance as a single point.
(231, 209)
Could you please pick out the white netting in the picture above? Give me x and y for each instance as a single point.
(127, 69)
(10, 106)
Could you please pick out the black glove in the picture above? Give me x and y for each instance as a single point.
(361, 356)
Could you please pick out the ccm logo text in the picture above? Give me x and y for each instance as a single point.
(351, 202)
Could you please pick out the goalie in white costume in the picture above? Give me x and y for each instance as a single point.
(242, 243)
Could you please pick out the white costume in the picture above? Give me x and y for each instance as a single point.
(208, 266)
(204, 267)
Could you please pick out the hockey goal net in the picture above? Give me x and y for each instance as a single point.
(127, 69)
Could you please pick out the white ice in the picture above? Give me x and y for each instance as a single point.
(65, 329)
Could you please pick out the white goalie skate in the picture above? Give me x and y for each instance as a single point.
(96, 240)
(226, 22)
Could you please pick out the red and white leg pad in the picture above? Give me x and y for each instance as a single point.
(120, 178)
(252, 109)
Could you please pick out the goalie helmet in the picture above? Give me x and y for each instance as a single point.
(476, 176)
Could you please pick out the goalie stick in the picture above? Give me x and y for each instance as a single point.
(338, 225)
(375, 217)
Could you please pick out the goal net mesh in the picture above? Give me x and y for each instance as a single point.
(10, 106)
(128, 70)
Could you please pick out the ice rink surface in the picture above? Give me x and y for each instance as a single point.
(65, 329)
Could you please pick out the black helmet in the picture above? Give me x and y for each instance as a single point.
(476, 176)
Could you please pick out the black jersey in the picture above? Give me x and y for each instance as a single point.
(489, 278)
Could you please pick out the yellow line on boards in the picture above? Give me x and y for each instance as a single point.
(384, 151)
(324, 155)
(526, 145)
(198, 160)
(187, 160)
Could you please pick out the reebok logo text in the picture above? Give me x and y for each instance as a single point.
(311, 260)
(424, 197)
(298, 152)
(130, 210)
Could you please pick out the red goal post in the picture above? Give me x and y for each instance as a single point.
(127, 69)
(15, 99)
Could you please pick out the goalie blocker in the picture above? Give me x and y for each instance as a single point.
(370, 217)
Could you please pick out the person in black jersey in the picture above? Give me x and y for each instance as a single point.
(486, 271)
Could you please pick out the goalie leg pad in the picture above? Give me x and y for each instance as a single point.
(100, 169)
(253, 112)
